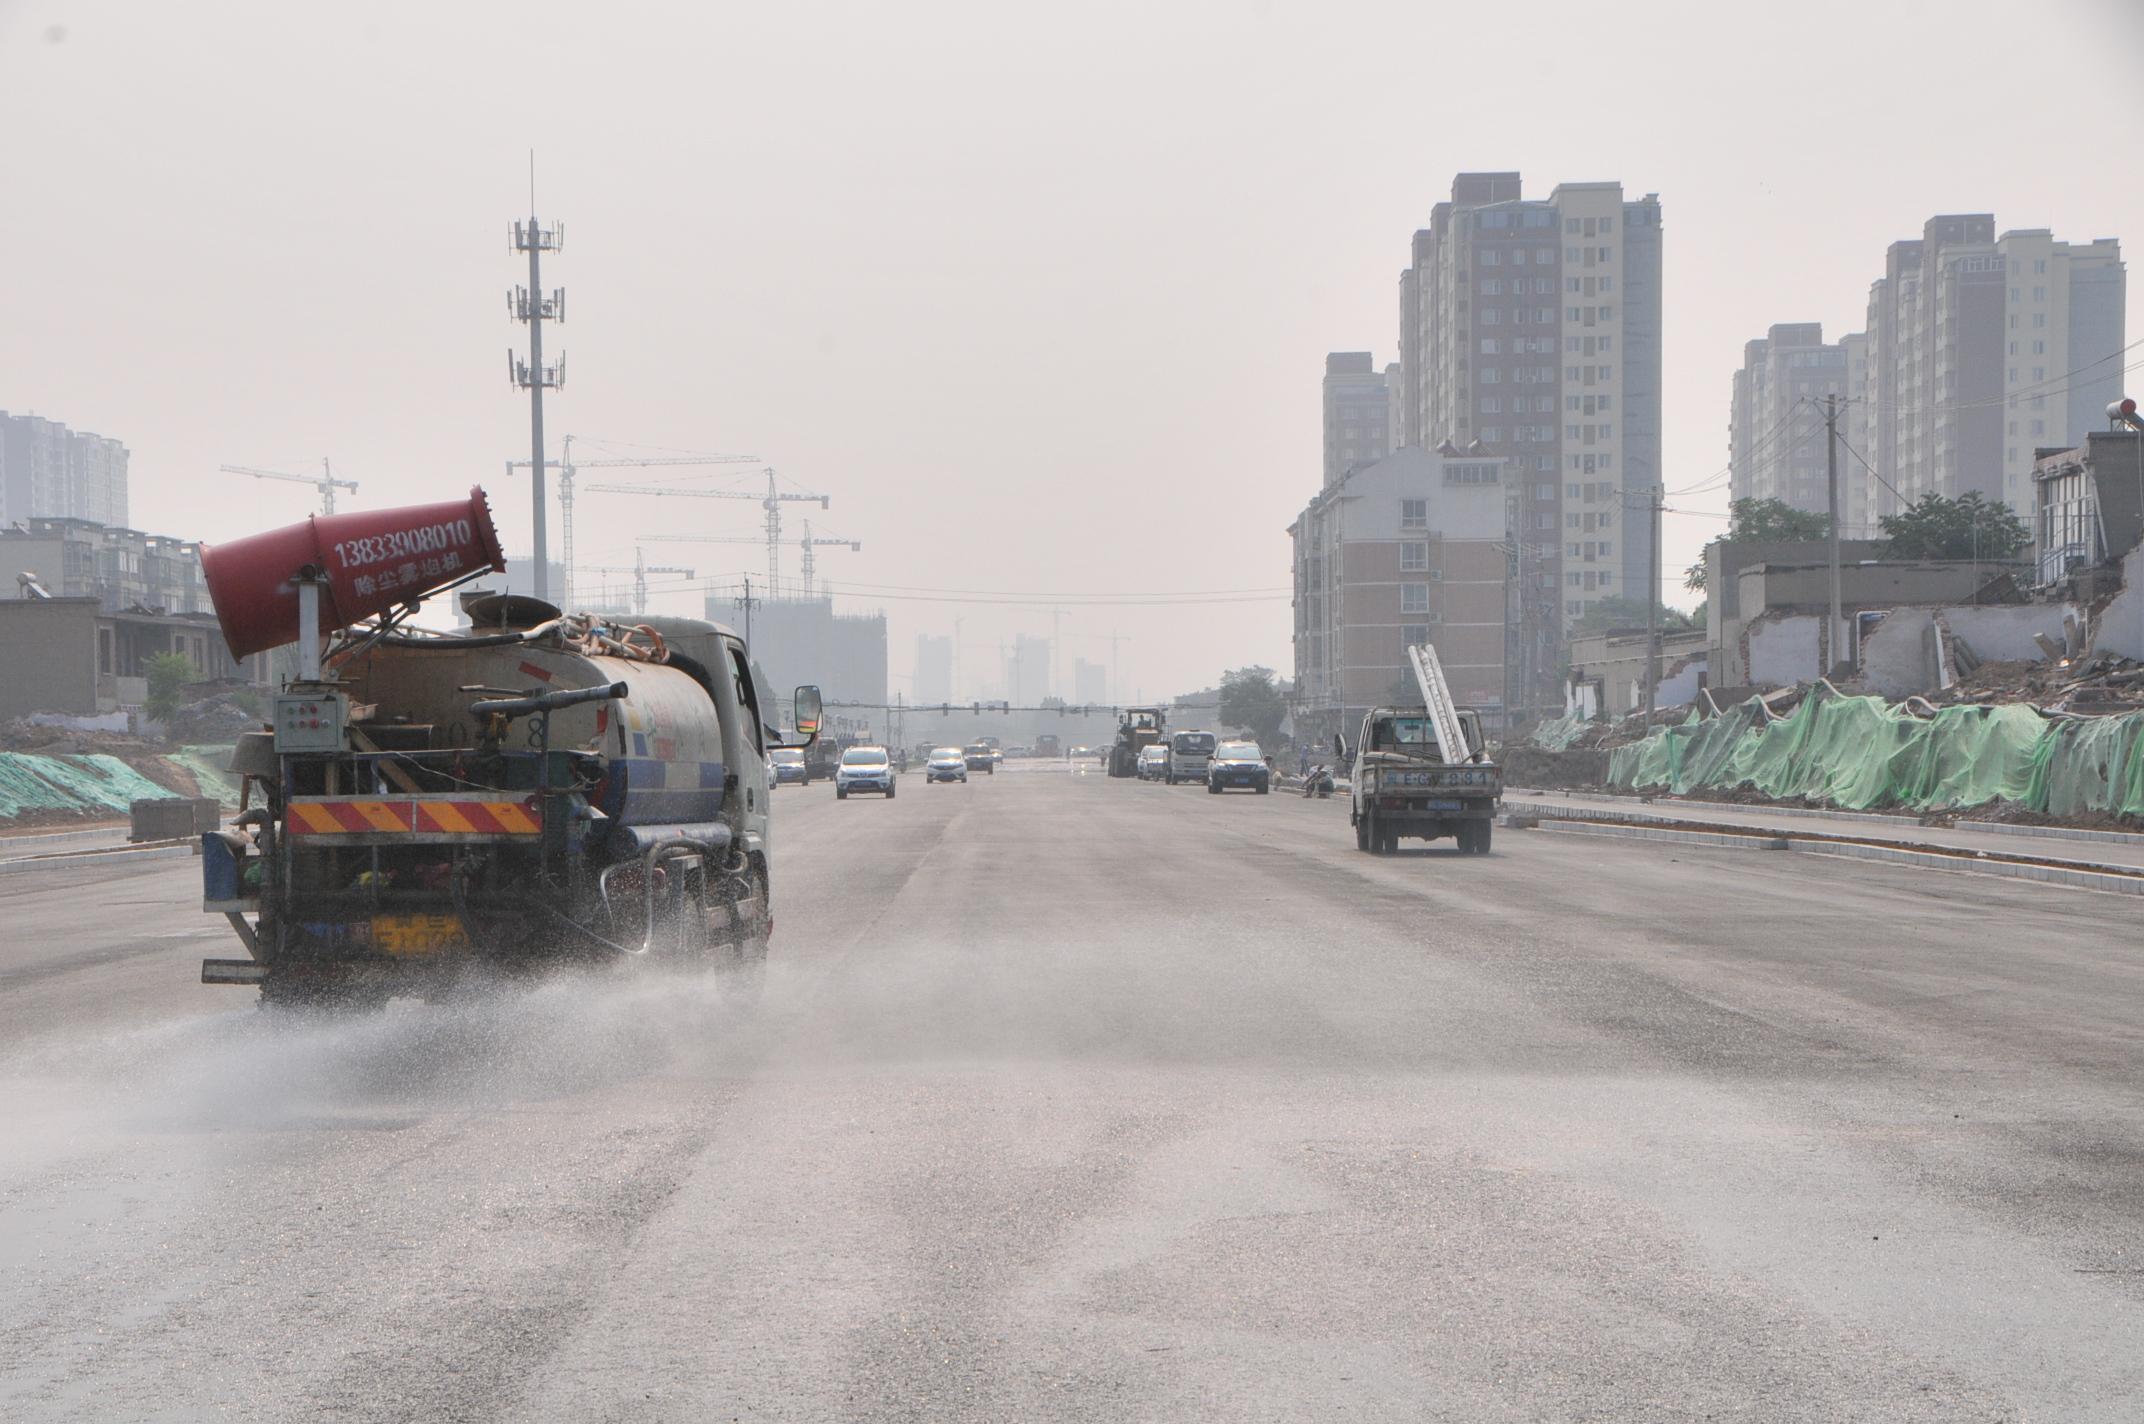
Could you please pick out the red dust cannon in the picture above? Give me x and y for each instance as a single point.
(368, 561)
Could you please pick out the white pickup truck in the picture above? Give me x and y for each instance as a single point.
(1404, 787)
(1422, 771)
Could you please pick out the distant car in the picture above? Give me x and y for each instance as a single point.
(864, 769)
(1154, 763)
(1238, 764)
(977, 757)
(946, 764)
(789, 765)
(997, 758)
(1081, 752)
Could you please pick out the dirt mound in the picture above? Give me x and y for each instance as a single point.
(1577, 769)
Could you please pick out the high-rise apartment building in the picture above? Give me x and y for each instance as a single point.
(1775, 435)
(1983, 349)
(1530, 330)
(1027, 671)
(50, 472)
(1357, 413)
(1090, 683)
(934, 668)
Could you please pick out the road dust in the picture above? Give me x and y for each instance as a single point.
(489, 1045)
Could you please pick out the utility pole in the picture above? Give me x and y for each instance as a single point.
(1652, 606)
(530, 305)
(1833, 632)
(748, 603)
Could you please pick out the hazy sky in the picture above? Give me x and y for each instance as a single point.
(1040, 296)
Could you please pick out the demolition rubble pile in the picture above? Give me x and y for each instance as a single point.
(2097, 685)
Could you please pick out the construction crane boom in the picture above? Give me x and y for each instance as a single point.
(640, 568)
(325, 481)
(808, 543)
(772, 501)
(566, 467)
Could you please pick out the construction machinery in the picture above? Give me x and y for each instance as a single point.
(772, 501)
(640, 568)
(568, 467)
(806, 545)
(325, 481)
(1422, 772)
(1138, 729)
(541, 789)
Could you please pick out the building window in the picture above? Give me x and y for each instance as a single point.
(1414, 557)
(1488, 346)
(1414, 514)
(1412, 634)
(1414, 598)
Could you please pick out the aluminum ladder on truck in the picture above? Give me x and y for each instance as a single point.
(1437, 697)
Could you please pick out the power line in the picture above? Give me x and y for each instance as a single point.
(2053, 385)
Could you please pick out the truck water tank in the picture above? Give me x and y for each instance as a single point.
(373, 559)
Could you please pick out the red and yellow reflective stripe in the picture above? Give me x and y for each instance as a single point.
(355, 816)
(332, 818)
(477, 818)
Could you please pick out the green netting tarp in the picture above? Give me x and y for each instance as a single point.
(207, 765)
(70, 783)
(1860, 753)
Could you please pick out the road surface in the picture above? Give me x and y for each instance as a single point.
(1079, 1099)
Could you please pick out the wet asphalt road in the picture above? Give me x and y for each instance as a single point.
(1071, 1099)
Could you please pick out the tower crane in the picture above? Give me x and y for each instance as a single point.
(566, 465)
(772, 502)
(325, 481)
(809, 542)
(640, 568)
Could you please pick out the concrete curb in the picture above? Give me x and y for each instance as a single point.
(125, 853)
(37, 842)
(1962, 823)
(2075, 877)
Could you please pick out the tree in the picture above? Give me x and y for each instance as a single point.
(1251, 699)
(1762, 521)
(1968, 527)
(167, 673)
(1612, 613)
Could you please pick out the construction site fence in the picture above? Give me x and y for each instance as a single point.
(1862, 754)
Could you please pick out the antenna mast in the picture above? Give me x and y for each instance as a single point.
(529, 304)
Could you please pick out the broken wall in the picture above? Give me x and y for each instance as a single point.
(1898, 656)
(2120, 627)
(1780, 649)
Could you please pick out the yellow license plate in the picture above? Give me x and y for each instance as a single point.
(418, 934)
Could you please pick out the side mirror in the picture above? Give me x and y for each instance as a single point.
(809, 711)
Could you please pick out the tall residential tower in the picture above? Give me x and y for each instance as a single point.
(1982, 349)
(1530, 330)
